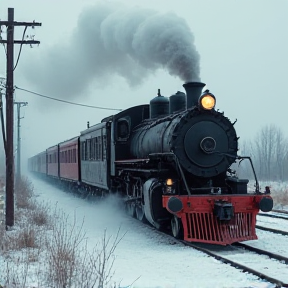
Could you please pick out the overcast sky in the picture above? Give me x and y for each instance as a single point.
(242, 44)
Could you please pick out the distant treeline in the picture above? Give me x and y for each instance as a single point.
(269, 153)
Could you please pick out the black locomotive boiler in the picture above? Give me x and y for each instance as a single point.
(171, 161)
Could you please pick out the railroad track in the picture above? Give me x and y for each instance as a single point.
(283, 216)
(229, 253)
(276, 231)
(280, 211)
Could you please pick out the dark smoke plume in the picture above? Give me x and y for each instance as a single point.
(109, 40)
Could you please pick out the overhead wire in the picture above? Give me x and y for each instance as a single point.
(65, 101)
(20, 48)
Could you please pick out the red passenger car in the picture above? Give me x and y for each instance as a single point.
(52, 161)
(69, 162)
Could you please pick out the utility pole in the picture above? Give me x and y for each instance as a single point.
(18, 173)
(10, 24)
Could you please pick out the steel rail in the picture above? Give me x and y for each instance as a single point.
(273, 216)
(276, 231)
(262, 252)
(280, 211)
(237, 265)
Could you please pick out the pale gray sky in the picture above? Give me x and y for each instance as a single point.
(242, 44)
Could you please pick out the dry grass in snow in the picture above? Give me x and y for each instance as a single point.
(46, 249)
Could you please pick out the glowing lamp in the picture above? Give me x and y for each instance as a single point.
(169, 182)
(207, 101)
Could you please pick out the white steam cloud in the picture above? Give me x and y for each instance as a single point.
(109, 39)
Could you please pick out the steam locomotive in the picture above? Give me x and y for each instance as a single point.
(171, 161)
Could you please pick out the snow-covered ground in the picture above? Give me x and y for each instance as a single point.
(272, 242)
(152, 259)
(146, 258)
(274, 223)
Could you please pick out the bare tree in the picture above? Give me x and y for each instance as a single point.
(281, 153)
(269, 150)
(244, 168)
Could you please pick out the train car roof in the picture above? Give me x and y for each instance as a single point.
(118, 115)
(93, 128)
(51, 148)
(69, 141)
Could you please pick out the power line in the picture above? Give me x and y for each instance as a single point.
(68, 102)
(20, 48)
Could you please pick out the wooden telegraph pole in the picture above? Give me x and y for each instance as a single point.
(10, 24)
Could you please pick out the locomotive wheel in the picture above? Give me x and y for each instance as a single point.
(140, 214)
(176, 227)
(130, 208)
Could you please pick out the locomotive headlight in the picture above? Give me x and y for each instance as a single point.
(169, 182)
(169, 186)
(207, 101)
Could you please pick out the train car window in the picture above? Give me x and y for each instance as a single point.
(123, 129)
(96, 148)
(74, 155)
(82, 150)
(88, 149)
(92, 148)
(100, 147)
(104, 146)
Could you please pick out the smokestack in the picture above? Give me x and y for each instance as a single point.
(193, 92)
